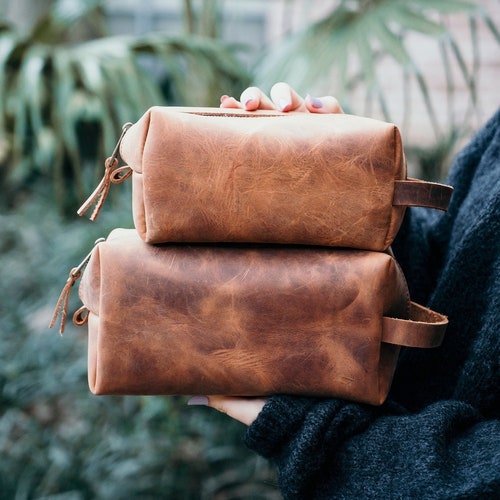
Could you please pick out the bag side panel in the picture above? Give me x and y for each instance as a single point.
(400, 172)
(90, 295)
(138, 205)
(133, 142)
(397, 305)
(93, 374)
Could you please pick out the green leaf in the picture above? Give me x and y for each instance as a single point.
(407, 18)
(467, 76)
(490, 24)
(450, 84)
(32, 81)
(7, 46)
(62, 15)
(97, 85)
(391, 44)
(366, 61)
(65, 118)
(424, 90)
(71, 11)
(446, 6)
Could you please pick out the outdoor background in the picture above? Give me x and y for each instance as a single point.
(71, 73)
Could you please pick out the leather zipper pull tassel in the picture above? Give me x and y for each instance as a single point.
(62, 303)
(112, 174)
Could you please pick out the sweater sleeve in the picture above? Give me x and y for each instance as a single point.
(438, 434)
(326, 449)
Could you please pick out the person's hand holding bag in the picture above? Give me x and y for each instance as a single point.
(438, 433)
(283, 98)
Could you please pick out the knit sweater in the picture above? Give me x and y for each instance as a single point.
(438, 434)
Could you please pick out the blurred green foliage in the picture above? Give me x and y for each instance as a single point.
(62, 103)
(59, 441)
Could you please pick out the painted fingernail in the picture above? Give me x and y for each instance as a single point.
(315, 102)
(198, 401)
(284, 105)
(250, 103)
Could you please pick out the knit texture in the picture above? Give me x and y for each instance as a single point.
(438, 434)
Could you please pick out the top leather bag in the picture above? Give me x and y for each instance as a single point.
(222, 175)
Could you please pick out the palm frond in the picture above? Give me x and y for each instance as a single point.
(346, 47)
(51, 91)
(61, 16)
(7, 46)
(490, 24)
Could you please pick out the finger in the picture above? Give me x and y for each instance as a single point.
(244, 410)
(229, 102)
(326, 104)
(253, 98)
(286, 99)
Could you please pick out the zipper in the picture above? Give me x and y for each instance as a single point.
(62, 303)
(112, 174)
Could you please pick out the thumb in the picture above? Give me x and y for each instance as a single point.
(244, 410)
(326, 104)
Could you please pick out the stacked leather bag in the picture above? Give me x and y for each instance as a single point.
(260, 261)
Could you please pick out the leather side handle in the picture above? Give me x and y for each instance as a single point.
(425, 328)
(416, 193)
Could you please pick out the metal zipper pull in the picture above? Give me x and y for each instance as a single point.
(62, 302)
(112, 174)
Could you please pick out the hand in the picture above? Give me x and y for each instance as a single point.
(243, 409)
(283, 98)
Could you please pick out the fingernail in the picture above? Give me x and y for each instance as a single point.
(250, 103)
(198, 401)
(284, 105)
(315, 102)
(223, 98)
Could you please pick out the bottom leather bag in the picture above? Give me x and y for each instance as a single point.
(246, 320)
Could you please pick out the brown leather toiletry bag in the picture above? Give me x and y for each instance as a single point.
(246, 320)
(221, 175)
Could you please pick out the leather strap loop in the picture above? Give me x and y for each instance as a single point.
(416, 193)
(81, 316)
(425, 328)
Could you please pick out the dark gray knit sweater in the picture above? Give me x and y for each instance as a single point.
(438, 434)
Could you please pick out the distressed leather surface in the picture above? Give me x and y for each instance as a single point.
(211, 175)
(240, 320)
